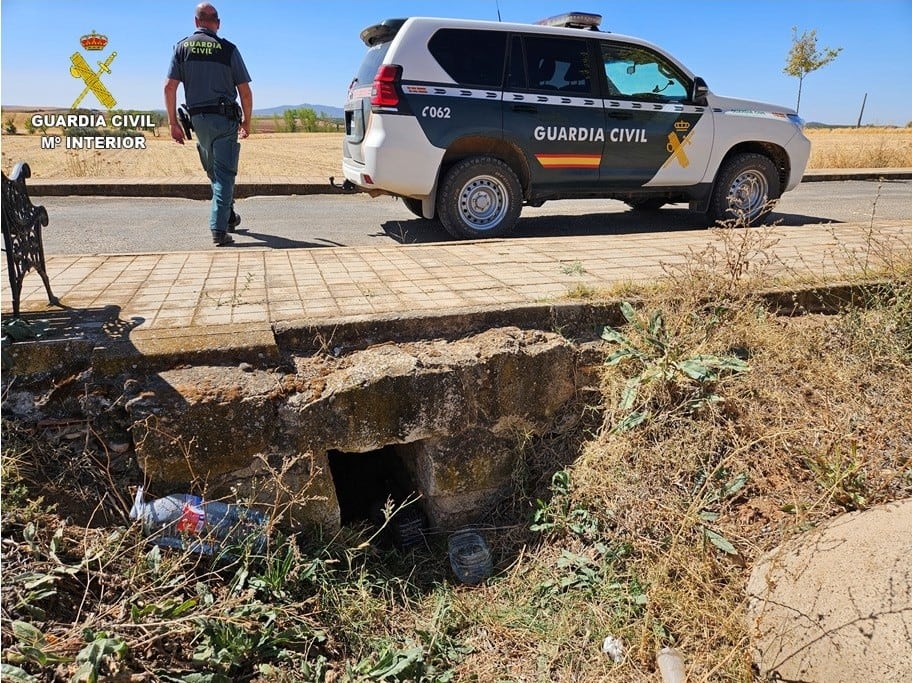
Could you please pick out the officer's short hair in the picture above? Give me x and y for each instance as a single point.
(205, 14)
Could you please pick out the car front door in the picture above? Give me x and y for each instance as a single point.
(654, 135)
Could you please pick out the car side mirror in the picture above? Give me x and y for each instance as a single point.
(700, 91)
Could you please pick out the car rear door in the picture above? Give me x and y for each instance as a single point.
(552, 113)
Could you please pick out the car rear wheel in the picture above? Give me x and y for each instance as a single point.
(479, 197)
(746, 189)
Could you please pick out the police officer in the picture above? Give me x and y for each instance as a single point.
(213, 74)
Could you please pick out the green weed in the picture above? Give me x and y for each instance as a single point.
(676, 377)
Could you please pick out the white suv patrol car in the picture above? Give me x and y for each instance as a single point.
(468, 120)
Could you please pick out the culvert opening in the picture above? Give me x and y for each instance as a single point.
(364, 483)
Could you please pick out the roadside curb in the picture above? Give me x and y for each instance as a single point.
(857, 174)
(264, 344)
(168, 187)
(180, 190)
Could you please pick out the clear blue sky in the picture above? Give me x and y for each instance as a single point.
(307, 50)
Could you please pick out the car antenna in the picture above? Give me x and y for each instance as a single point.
(497, 4)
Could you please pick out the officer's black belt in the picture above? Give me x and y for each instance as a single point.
(211, 109)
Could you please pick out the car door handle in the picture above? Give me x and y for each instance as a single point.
(525, 108)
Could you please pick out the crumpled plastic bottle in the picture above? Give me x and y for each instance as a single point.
(469, 557)
(187, 522)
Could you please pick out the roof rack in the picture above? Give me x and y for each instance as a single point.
(584, 20)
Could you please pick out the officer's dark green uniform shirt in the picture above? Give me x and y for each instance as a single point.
(210, 68)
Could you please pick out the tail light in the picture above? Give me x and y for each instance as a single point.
(384, 92)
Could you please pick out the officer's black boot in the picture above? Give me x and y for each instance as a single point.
(234, 220)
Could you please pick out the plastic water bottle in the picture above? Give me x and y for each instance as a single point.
(470, 557)
(185, 521)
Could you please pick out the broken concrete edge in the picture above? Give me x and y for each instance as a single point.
(338, 335)
(312, 186)
(262, 344)
(572, 319)
(151, 350)
(148, 350)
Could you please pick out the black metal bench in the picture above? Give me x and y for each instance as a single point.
(22, 223)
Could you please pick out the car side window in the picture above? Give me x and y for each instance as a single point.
(471, 57)
(637, 73)
(558, 64)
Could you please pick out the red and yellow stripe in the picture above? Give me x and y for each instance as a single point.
(569, 160)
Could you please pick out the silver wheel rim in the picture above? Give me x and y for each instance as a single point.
(483, 202)
(747, 195)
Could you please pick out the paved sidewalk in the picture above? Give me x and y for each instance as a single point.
(224, 305)
(161, 292)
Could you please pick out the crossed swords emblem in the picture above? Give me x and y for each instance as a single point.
(92, 79)
(676, 147)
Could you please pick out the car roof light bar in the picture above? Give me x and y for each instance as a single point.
(585, 20)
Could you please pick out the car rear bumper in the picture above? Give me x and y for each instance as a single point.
(398, 159)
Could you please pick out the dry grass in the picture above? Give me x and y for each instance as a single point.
(292, 155)
(860, 148)
(319, 155)
(646, 534)
(652, 532)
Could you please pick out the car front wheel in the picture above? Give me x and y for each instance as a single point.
(479, 197)
(746, 189)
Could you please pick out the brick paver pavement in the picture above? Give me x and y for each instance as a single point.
(225, 286)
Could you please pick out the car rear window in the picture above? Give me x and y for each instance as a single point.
(371, 62)
(471, 57)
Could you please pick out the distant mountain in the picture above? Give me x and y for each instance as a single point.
(818, 124)
(325, 110)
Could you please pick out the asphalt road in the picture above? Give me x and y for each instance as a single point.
(106, 225)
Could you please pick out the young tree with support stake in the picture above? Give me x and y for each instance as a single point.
(803, 57)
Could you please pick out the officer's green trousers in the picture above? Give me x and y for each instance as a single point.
(219, 150)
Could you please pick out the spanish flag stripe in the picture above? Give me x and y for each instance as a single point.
(569, 160)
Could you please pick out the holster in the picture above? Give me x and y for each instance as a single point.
(230, 109)
(183, 117)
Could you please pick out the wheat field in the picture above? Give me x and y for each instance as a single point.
(319, 155)
(860, 147)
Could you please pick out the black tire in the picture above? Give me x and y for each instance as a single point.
(649, 204)
(746, 189)
(413, 205)
(479, 197)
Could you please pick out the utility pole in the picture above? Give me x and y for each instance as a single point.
(858, 125)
